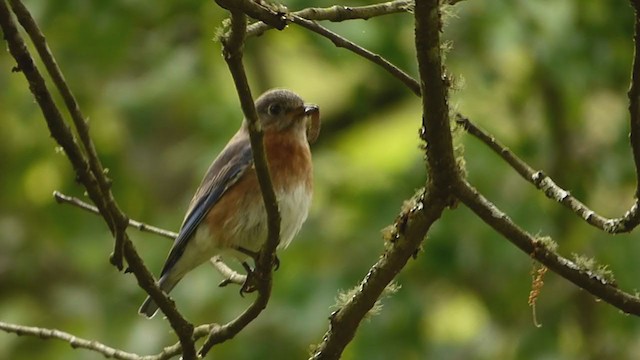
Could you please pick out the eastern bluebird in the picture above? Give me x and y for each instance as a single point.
(227, 214)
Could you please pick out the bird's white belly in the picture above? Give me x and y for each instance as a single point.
(251, 232)
(294, 208)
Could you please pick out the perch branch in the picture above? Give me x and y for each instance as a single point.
(230, 276)
(544, 183)
(232, 51)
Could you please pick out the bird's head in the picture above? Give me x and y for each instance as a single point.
(281, 109)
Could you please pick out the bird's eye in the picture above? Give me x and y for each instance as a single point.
(274, 109)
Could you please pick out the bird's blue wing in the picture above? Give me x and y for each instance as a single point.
(225, 171)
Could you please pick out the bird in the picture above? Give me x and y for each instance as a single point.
(226, 215)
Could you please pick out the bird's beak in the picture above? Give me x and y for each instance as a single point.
(310, 109)
(313, 127)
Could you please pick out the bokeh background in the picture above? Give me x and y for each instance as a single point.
(548, 78)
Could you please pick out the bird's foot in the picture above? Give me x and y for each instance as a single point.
(249, 284)
(255, 255)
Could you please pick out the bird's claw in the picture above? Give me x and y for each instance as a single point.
(255, 255)
(249, 284)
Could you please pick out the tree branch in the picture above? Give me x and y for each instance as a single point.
(61, 132)
(436, 128)
(230, 276)
(411, 228)
(62, 198)
(271, 15)
(338, 13)
(115, 216)
(634, 97)
(176, 349)
(544, 183)
(342, 42)
(107, 351)
(73, 340)
(341, 13)
(233, 45)
(592, 282)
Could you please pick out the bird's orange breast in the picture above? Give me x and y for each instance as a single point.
(289, 160)
(239, 216)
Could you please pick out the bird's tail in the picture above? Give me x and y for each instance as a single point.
(149, 307)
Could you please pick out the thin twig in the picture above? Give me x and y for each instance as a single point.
(338, 13)
(107, 351)
(62, 198)
(230, 276)
(544, 183)
(74, 341)
(342, 42)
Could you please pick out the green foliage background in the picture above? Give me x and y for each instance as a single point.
(548, 78)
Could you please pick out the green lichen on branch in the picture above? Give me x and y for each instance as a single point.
(276, 7)
(547, 243)
(593, 268)
(221, 31)
(343, 298)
